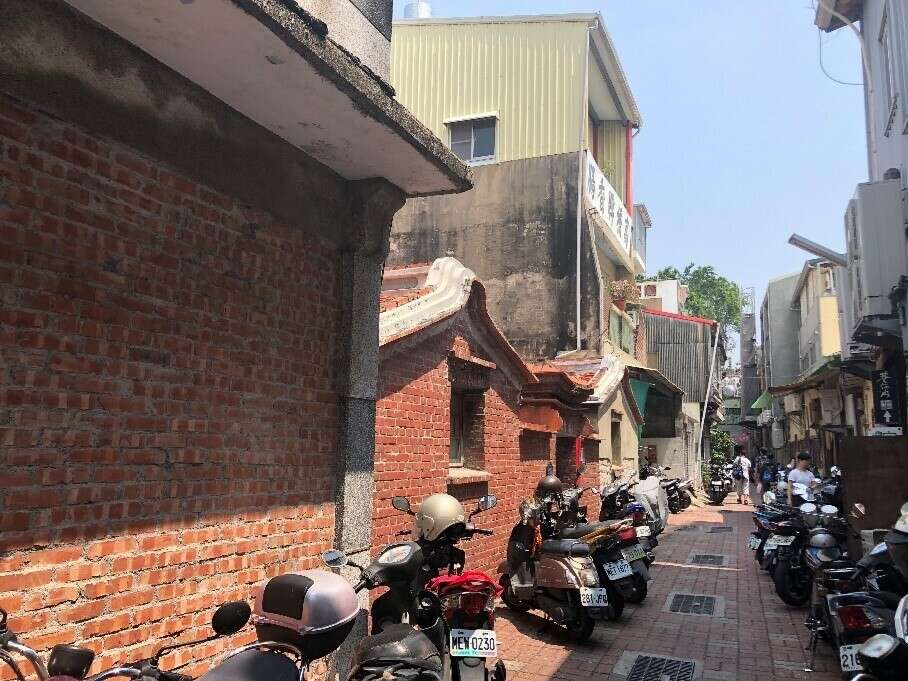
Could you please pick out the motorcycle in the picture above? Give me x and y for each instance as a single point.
(720, 483)
(454, 611)
(619, 502)
(555, 575)
(850, 607)
(669, 485)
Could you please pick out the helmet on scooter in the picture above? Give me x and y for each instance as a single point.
(897, 542)
(313, 611)
(437, 515)
(549, 485)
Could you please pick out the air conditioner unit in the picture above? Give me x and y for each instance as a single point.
(877, 256)
(792, 403)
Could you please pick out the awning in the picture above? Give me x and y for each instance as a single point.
(811, 379)
(764, 401)
(640, 390)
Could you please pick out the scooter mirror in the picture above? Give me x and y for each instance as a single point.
(401, 504)
(487, 502)
(581, 468)
(858, 510)
(334, 558)
(667, 468)
(229, 618)
(550, 470)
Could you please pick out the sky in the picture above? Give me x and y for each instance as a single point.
(744, 139)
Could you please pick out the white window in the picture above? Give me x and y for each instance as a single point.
(473, 140)
(887, 73)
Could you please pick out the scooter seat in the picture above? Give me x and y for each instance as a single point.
(582, 530)
(566, 547)
(889, 599)
(397, 643)
(254, 664)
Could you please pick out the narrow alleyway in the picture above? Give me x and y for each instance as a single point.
(751, 635)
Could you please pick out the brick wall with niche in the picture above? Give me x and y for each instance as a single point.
(455, 362)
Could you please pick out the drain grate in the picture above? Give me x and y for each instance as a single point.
(720, 528)
(707, 559)
(651, 668)
(688, 528)
(690, 604)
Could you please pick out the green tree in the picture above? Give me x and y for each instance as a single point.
(711, 295)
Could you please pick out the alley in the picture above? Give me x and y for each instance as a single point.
(751, 636)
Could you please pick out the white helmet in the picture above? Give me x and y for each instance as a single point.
(437, 514)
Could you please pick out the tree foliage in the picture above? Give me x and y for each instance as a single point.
(711, 295)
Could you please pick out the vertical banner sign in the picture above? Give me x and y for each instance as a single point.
(887, 400)
(578, 451)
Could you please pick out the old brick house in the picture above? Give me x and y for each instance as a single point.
(195, 202)
(458, 410)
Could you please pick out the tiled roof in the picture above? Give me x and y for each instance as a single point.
(388, 300)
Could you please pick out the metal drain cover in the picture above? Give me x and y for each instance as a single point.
(707, 559)
(651, 668)
(691, 604)
(720, 528)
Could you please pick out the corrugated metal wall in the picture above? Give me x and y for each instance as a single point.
(681, 351)
(614, 144)
(530, 73)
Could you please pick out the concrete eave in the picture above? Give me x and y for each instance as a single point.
(272, 62)
(852, 10)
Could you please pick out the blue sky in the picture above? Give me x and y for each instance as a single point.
(744, 140)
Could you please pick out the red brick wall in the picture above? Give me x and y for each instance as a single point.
(168, 416)
(412, 435)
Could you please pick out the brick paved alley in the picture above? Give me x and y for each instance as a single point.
(752, 635)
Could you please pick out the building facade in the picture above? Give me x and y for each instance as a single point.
(460, 412)
(190, 265)
(540, 107)
(668, 295)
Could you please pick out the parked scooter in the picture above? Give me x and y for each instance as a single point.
(555, 575)
(720, 483)
(884, 657)
(428, 589)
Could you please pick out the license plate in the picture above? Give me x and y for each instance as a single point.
(633, 553)
(643, 530)
(618, 570)
(593, 598)
(473, 643)
(778, 540)
(753, 541)
(848, 658)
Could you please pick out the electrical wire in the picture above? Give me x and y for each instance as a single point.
(823, 66)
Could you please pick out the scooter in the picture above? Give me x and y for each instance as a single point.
(555, 575)
(720, 483)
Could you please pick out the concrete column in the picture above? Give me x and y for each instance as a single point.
(372, 206)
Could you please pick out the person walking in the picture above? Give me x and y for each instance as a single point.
(740, 472)
(800, 474)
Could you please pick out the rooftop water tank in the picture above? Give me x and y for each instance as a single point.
(418, 10)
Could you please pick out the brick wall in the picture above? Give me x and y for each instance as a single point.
(168, 416)
(412, 435)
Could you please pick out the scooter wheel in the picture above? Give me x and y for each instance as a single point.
(507, 595)
(615, 603)
(789, 585)
(638, 595)
(582, 628)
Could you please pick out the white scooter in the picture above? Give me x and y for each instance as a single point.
(651, 495)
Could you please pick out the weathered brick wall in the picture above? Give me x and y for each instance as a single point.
(168, 416)
(412, 436)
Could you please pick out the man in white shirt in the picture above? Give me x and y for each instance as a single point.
(742, 486)
(802, 474)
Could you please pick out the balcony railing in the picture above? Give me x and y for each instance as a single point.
(609, 207)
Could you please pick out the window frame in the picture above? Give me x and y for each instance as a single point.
(884, 40)
(472, 120)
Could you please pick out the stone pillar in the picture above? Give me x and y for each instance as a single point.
(372, 206)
